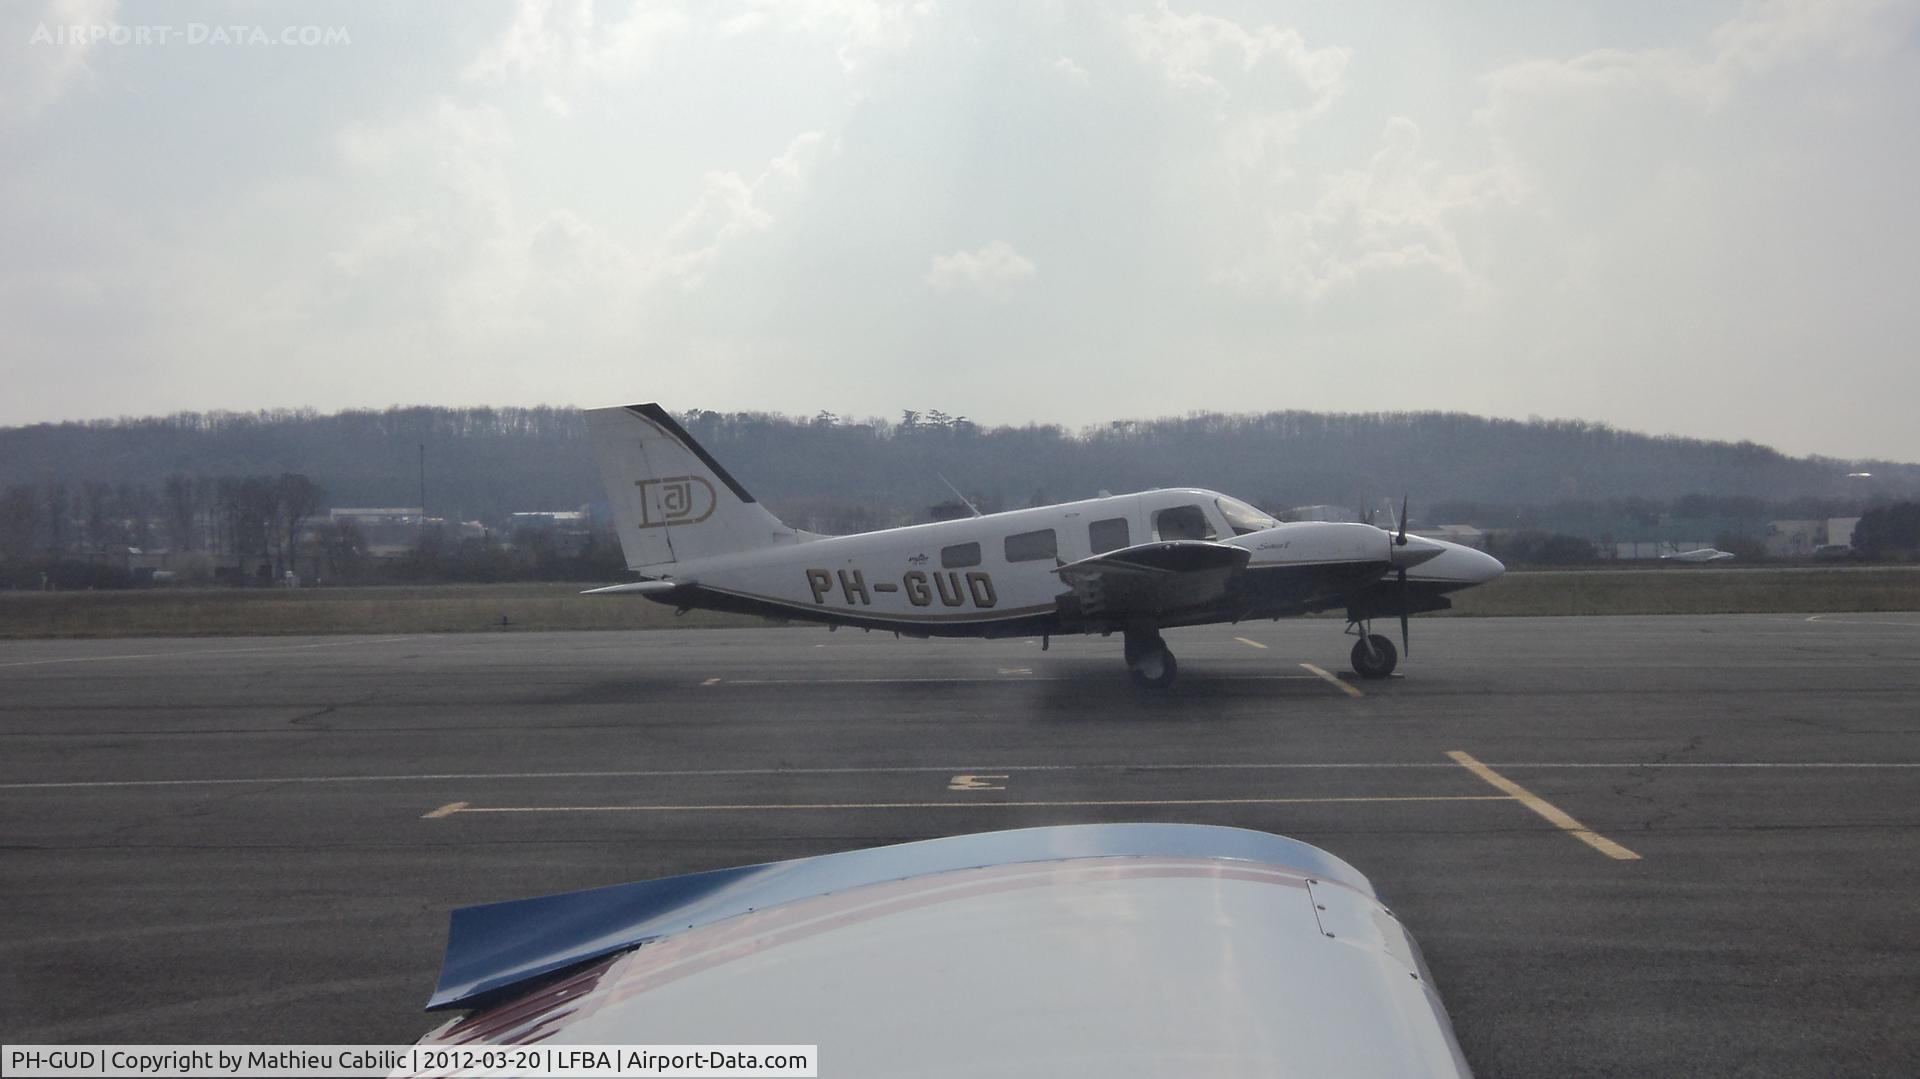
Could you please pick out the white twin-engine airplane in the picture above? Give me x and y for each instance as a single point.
(1133, 564)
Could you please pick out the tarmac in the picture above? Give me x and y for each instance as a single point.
(1627, 846)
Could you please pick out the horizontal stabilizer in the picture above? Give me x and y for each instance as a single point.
(640, 588)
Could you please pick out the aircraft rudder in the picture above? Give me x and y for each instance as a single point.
(671, 500)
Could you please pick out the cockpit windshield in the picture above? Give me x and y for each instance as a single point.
(1242, 517)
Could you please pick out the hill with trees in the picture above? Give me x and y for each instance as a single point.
(838, 474)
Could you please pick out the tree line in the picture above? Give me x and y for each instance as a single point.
(484, 463)
(242, 487)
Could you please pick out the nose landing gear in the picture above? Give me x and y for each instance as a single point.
(1373, 654)
(1149, 660)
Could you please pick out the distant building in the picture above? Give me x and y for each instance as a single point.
(570, 531)
(1840, 531)
(554, 519)
(1641, 549)
(1793, 538)
(365, 516)
(388, 531)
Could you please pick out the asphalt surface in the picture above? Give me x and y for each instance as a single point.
(258, 841)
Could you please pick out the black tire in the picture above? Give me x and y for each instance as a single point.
(1377, 662)
(1138, 644)
(1154, 669)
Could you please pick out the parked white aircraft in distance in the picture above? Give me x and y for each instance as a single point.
(1133, 564)
(1700, 554)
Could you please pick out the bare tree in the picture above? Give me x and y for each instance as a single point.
(297, 498)
(19, 520)
(57, 510)
(180, 512)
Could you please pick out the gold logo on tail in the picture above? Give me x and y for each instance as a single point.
(675, 500)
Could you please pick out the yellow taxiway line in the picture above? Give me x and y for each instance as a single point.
(1554, 814)
(1335, 680)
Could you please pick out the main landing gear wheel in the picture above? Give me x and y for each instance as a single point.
(1374, 656)
(1149, 661)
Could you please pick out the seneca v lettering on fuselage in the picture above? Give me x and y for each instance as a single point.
(1133, 564)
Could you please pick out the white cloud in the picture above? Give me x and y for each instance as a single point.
(992, 270)
(868, 30)
(1260, 85)
(1760, 40)
(566, 46)
(1072, 71)
(1222, 58)
(46, 50)
(412, 223)
(731, 208)
(1401, 212)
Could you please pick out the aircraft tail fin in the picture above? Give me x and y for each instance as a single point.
(671, 501)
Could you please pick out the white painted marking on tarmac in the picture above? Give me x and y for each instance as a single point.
(1016, 670)
(711, 682)
(447, 810)
(699, 773)
(211, 651)
(789, 807)
(1341, 684)
(1553, 814)
(976, 783)
(964, 679)
(1829, 620)
(1251, 643)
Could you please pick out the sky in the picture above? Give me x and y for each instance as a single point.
(1692, 219)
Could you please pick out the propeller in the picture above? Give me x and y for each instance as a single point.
(1406, 637)
(1403, 553)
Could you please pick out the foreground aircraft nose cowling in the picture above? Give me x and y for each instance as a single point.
(1117, 950)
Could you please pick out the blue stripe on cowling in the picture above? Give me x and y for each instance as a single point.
(496, 945)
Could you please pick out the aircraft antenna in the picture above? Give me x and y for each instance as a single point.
(961, 497)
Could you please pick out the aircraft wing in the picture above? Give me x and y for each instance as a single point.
(1101, 949)
(1153, 577)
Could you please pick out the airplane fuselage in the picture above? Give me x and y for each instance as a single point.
(996, 574)
(1134, 563)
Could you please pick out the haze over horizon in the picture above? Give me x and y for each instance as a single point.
(1686, 221)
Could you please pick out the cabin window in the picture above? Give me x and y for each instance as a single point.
(1244, 518)
(1031, 546)
(1182, 523)
(1108, 535)
(960, 555)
